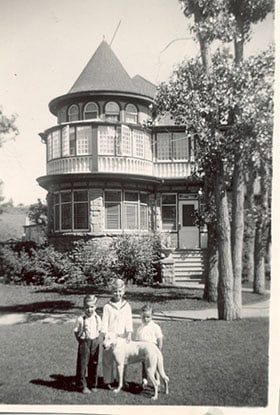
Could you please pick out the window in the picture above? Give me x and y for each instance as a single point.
(138, 141)
(169, 211)
(112, 111)
(131, 114)
(124, 141)
(112, 209)
(65, 141)
(90, 111)
(164, 146)
(132, 208)
(172, 146)
(53, 143)
(106, 140)
(180, 146)
(73, 113)
(71, 210)
(83, 143)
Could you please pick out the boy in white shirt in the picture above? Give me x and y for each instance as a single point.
(148, 331)
(87, 331)
(117, 318)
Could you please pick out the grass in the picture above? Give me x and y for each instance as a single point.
(209, 362)
(14, 299)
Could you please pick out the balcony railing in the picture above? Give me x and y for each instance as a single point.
(129, 165)
(172, 169)
(79, 164)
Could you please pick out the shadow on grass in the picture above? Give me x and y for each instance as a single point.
(141, 294)
(66, 383)
(42, 306)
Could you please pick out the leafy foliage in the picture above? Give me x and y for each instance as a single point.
(38, 213)
(133, 258)
(8, 128)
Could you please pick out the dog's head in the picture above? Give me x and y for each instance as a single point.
(110, 340)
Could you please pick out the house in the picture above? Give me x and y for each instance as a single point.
(114, 168)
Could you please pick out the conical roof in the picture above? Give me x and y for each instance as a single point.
(104, 72)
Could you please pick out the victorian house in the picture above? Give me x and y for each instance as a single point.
(113, 167)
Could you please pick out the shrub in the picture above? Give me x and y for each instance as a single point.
(41, 266)
(95, 260)
(137, 258)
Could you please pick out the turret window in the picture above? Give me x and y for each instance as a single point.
(131, 114)
(90, 111)
(112, 111)
(73, 113)
(71, 210)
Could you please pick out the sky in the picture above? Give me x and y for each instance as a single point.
(45, 44)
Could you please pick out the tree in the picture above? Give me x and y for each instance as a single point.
(8, 129)
(202, 101)
(229, 20)
(38, 213)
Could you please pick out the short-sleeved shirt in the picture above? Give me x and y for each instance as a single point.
(150, 332)
(88, 327)
(117, 318)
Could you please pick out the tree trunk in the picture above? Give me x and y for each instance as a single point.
(259, 280)
(237, 231)
(261, 233)
(211, 275)
(226, 309)
(250, 225)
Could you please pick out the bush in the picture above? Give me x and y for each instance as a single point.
(137, 258)
(95, 262)
(41, 266)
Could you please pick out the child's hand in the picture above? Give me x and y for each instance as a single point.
(128, 339)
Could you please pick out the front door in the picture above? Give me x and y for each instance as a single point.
(188, 231)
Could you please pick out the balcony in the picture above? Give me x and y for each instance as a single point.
(126, 165)
(172, 169)
(78, 164)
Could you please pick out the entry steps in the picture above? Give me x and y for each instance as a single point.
(189, 265)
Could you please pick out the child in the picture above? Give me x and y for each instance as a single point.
(148, 331)
(117, 318)
(87, 331)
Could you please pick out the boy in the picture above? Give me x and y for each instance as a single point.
(117, 318)
(148, 331)
(87, 331)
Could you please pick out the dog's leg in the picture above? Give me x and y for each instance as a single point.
(161, 372)
(151, 376)
(120, 369)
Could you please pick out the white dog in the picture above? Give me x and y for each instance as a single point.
(132, 352)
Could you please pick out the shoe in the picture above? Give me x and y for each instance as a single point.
(86, 390)
(93, 390)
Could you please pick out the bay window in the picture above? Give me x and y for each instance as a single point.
(126, 210)
(71, 210)
(173, 146)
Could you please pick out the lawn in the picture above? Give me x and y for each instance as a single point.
(211, 363)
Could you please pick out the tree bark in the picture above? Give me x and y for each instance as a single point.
(250, 225)
(261, 233)
(226, 309)
(237, 231)
(211, 275)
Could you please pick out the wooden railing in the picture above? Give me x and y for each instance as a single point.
(78, 164)
(172, 169)
(129, 165)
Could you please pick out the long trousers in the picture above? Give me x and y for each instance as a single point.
(87, 361)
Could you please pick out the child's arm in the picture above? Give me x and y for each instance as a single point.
(159, 343)
(77, 329)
